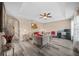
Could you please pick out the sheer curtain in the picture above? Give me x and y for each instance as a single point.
(72, 29)
(76, 28)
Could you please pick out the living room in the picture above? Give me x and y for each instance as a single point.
(46, 26)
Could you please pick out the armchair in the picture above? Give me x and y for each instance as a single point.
(53, 33)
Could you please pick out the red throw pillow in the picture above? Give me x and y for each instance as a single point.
(8, 37)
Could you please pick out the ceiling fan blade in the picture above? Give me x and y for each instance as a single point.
(41, 15)
(48, 13)
(49, 16)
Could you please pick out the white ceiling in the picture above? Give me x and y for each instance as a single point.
(32, 10)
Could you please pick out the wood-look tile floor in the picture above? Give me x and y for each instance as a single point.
(57, 47)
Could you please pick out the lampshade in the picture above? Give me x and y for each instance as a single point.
(34, 26)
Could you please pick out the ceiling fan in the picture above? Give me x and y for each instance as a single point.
(45, 15)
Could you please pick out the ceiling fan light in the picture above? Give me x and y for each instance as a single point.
(32, 24)
(45, 17)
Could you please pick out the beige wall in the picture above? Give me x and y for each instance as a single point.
(11, 24)
(58, 25)
(25, 25)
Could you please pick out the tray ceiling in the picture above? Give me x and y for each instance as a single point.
(32, 10)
